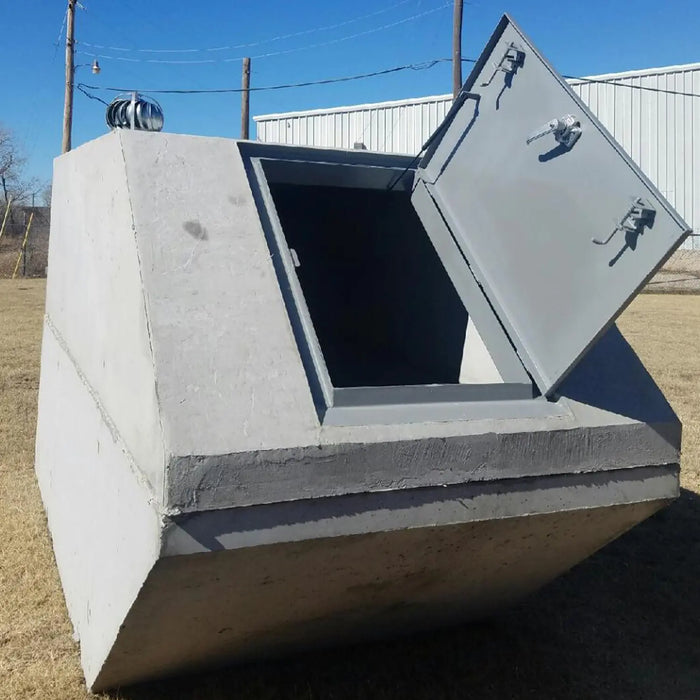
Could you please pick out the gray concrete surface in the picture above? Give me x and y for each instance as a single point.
(438, 560)
(95, 305)
(182, 461)
(105, 527)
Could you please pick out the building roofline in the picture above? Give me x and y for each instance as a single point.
(638, 73)
(437, 98)
(354, 108)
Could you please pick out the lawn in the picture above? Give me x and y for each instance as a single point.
(624, 624)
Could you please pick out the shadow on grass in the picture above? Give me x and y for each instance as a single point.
(623, 624)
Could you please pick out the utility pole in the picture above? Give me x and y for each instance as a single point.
(70, 73)
(245, 98)
(457, 49)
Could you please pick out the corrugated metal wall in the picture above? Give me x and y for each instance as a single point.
(660, 131)
(396, 127)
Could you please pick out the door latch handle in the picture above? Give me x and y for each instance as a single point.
(512, 59)
(640, 214)
(566, 130)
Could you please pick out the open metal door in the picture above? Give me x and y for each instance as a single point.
(557, 225)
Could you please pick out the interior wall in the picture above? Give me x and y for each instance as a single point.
(383, 307)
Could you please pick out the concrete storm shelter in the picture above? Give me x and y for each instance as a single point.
(292, 397)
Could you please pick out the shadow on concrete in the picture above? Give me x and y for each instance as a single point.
(623, 624)
(611, 377)
(211, 528)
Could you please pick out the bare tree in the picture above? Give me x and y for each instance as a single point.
(45, 195)
(13, 181)
(8, 161)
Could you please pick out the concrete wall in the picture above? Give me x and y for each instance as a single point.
(199, 507)
(105, 529)
(258, 582)
(95, 300)
(179, 305)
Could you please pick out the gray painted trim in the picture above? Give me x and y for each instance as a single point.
(235, 528)
(304, 332)
(368, 177)
(475, 407)
(201, 482)
(433, 393)
(257, 149)
(372, 405)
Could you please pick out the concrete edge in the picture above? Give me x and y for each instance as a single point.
(270, 476)
(235, 528)
(147, 315)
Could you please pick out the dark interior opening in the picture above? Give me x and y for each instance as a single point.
(383, 308)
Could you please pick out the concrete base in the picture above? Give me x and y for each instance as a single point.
(203, 610)
(202, 512)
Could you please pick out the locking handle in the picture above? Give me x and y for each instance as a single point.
(512, 59)
(640, 214)
(566, 130)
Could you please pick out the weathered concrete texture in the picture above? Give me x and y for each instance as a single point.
(105, 526)
(204, 609)
(200, 510)
(95, 298)
(230, 399)
(612, 416)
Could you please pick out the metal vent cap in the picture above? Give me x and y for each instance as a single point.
(133, 111)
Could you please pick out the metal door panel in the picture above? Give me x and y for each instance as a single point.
(524, 215)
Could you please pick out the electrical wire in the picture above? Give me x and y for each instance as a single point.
(38, 94)
(615, 81)
(57, 43)
(283, 52)
(269, 40)
(81, 87)
(412, 66)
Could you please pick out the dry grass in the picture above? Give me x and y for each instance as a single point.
(624, 624)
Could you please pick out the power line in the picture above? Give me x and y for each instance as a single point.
(38, 94)
(283, 52)
(615, 81)
(57, 43)
(412, 66)
(269, 40)
(81, 87)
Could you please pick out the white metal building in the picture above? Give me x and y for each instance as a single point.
(654, 114)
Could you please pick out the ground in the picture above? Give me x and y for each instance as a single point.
(624, 624)
(680, 274)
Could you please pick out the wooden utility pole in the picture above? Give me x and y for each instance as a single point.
(70, 73)
(245, 98)
(8, 204)
(457, 49)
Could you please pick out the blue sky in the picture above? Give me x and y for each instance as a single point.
(578, 38)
